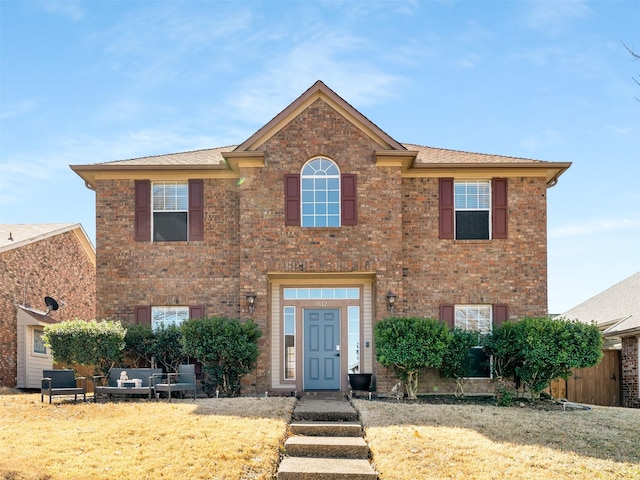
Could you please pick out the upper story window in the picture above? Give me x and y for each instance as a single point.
(473, 209)
(320, 194)
(170, 211)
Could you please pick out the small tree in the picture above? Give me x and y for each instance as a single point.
(457, 361)
(88, 343)
(410, 345)
(227, 348)
(543, 349)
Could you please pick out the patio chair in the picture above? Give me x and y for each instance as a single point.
(62, 382)
(183, 381)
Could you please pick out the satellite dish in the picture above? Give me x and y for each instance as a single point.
(51, 304)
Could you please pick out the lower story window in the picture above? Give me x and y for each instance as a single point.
(165, 316)
(289, 343)
(476, 318)
(38, 342)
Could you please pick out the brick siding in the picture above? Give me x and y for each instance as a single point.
(630, 373)
(245, 237)
(57, 267)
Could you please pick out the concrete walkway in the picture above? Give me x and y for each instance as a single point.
(327, 442)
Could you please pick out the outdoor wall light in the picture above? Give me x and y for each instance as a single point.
(251, 301)
(391, 301)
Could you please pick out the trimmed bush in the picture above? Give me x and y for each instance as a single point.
(457, 361)
(409, 345)
(88, 343)
(539, 350)
(226, 347)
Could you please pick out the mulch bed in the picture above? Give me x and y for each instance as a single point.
(544, 404)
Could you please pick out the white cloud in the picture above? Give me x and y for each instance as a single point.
(553, 17)
(71, 9)
(17, 109)
(595, 226)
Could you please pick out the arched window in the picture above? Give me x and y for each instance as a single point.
(320, 191)
(320, 196)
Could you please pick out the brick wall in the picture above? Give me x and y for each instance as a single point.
(245, 237)
(57, 267)
(630, 372)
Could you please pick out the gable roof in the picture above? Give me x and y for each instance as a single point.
(14, 236)
(316, 91)
(415, 160)
(616, 310)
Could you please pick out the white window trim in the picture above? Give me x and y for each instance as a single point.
(302, 202)
(490, 309)
(488, 209)
(154, 210)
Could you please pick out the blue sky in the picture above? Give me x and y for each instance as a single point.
(93, 81)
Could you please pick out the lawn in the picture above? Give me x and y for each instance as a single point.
(241, 438)
(237, 438)
(429, 441)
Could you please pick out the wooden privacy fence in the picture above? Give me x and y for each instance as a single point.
(599, 385)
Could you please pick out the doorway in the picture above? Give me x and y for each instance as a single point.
(321, 349)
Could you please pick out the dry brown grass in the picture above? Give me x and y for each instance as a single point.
(237, 438)
(240, 438)
(426, 441)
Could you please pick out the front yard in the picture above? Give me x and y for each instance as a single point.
(241, 438)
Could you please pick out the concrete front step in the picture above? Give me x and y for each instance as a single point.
(326, 429)
(325, 410)
(327, 447)
(305, 468)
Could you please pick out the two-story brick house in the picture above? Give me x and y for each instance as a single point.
(320, 219)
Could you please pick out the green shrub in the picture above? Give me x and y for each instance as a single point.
(409, 345)
(539, 350)
(139, 344)
(227, 348)
(168, 349)
(88, 343)
(457, 361)
(505, 393)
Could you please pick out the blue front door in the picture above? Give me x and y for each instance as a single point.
(322, 349)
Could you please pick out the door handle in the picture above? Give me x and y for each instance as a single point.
(338, 354)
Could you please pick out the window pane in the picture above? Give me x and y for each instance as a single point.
(168, 316)
(38, 343)
(472, 225)
(354, 339)
(169, 226)
(289, 342)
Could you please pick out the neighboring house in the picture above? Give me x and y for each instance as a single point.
(310, 227)
(617, 312)
(38, 261)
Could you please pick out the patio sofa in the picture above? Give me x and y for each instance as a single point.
(62, 382)
(183, 381)
(140, 381)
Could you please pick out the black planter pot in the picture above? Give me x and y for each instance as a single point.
(360, 381)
